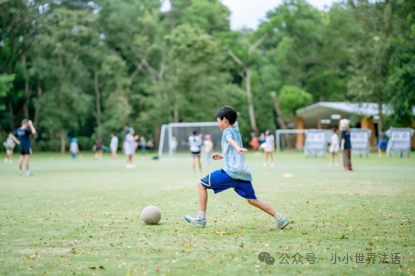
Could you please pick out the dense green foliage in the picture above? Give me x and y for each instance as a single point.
(83, 68)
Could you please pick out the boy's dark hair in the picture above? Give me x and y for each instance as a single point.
(194, 132)
(334, 129)
(383, 129)
(227, 112)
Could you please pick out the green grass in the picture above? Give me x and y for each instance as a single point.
(77, 215)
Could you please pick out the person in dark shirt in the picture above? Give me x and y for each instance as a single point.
(98, 148)
(346, 145)
(23, 135)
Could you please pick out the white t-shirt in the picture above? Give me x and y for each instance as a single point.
(269, 142)
(334, 140)
(114, 142)
(74, 147)
(129, 144)
(195, 143)
(208, 146)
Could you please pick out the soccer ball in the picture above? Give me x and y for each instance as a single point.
(151, 215)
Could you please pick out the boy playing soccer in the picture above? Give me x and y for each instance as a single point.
(23, 134)
(234, 175)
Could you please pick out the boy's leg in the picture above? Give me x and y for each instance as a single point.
(27, 157)
(380, 152)
(203, 196)
(263, 206)
(21, 162)
(282, 222)
(266, 159)
(271, 154)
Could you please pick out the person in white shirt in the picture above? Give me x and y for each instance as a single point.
(114, 146)
(129, 148)
(195, 143)
(334, 147)
(208, 149)
(74, 147)
(269, 147)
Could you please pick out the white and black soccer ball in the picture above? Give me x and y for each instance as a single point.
(151, 215)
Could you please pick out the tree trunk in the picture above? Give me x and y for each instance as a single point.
(157, 135)
(280, 118)
(97, 102)
(63, 146)
(176, 115)
(37, 109)
(27, 88)
(250, 103)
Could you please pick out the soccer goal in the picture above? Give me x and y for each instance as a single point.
(174, 137)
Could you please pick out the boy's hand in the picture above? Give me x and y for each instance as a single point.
(30, 122)
(217, 156)
(241, 150)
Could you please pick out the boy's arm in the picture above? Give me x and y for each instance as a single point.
(217, 156)
(236, 146)
(16, 140)
(32, 128)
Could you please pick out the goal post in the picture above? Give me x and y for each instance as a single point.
(174, 136)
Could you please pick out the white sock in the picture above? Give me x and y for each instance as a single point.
(278, 217)
(27, 172)
(20, 171)
(202, 215)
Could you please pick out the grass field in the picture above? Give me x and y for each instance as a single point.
(83, 217)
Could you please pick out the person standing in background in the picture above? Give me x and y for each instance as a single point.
(269, 148)
(129, 147)
(23, 134)
(383, 142)
(9, 145)
(143, 146)
(346, 145)
(334, 147)
(195, 143)
(114, 147)
(73, 148)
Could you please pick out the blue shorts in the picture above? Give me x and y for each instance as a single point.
(383, 144)
(220, 181)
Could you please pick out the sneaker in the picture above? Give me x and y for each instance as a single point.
(6, 160)
(196, 221)
(29, 174)
(337, 164)
(20, 173)
(330, 164)
(282, 224)
(265, 164)
(272, 164)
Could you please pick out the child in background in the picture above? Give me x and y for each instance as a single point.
(98, 148)
(23, 134)
(195, 143)
(9, 144)
(254, 143)
(74, 147)
(334, 147)
(269, 148)
(114, 147)
(143, 146)
(261, 139)
(234, 175)
(383, 142)
(208, 149)
(129, 147)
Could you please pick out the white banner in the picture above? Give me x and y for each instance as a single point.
(316, 137)
(359, 137)
(401, 136)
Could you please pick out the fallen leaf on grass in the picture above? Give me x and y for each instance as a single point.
(222, 233)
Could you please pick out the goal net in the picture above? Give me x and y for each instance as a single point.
(174, 137)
